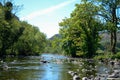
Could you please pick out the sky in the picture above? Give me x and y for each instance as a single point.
(46, 14)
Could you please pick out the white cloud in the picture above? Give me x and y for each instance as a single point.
(50, 31)
(47, 26)
(46, 11)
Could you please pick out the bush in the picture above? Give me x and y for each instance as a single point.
(117, 55)
(100, 57)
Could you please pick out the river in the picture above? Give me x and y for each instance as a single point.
(56, 67)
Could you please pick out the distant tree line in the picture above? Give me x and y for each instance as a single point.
(18, 37)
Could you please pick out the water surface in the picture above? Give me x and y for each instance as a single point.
(57, 67)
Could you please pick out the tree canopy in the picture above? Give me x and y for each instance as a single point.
(18, 37)
(81, 32)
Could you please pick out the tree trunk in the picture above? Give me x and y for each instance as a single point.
(114, 44)
(114, 39)
(111, 43)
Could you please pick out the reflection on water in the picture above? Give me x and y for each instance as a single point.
(56, 68)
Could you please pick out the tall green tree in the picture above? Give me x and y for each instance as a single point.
(10, 26)
(109, 11)
(81, 31)
(70, 33)
(9, 35)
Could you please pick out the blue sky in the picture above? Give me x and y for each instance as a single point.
(46, 14)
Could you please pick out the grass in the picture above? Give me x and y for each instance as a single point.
(107, 55)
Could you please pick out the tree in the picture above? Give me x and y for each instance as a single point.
(53, 44)
(18, 37)
(80, 32)
(11, 28)
(31, 42)
(8, 10)
(109, 9)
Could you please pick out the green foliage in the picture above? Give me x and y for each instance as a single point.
(31, 42)
(17, 37)
(118, 55)
(79, 34)
(108, 56)
(53, 45)
(80, 31)
(108, 10)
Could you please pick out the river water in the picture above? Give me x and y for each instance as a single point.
(56, 67)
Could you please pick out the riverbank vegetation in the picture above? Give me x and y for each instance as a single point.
(81, 33)
(91, 30)
(18, 37)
